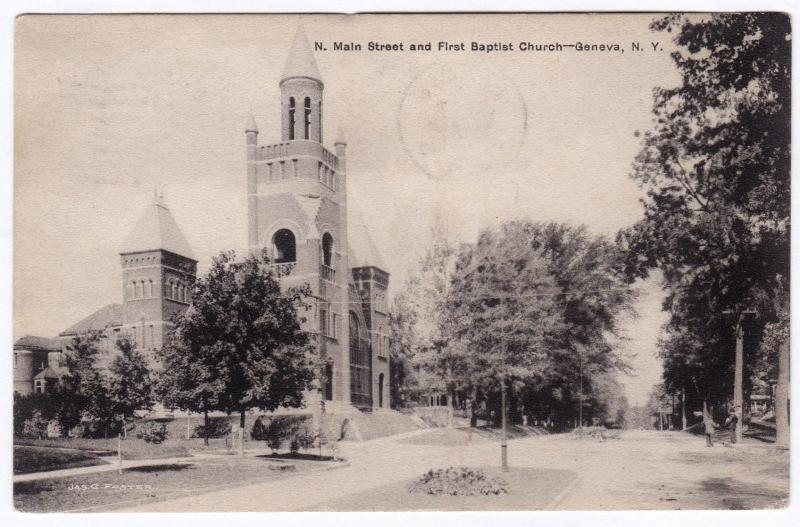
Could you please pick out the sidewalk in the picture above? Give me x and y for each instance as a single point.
(111, 463)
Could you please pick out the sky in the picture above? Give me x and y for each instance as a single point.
(110, 108)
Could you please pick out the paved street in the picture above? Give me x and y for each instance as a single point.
(642, 470)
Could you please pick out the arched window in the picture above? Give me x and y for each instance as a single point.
(283, 246)
(319, 124)
(360, 366)
(174, 290)
(150, 291)
(307, 115)
(180, 292)
(327, 249)
(167, 291)
(291, 118)
(139, 289)
(132, 290)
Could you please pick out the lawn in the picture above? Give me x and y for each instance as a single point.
(29, 459)
(131, 448)
(529, 489)
(109, 490)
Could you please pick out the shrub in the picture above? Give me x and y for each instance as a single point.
(458, 482)
(53, 429)
(302, 438)
(217, 427)
(153, 432)
(35, 426)
(97, 429)
(76, 431)
(278, 430)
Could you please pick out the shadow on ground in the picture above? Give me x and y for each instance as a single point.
(174, 467)
(738, 495)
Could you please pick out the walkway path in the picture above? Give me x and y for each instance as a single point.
(642, 470)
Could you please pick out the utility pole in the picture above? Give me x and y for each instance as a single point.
(737, 379)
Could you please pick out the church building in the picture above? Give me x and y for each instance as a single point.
(297, 210)
(158, 269)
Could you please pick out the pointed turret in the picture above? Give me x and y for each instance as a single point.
(301, 63)
(301, 93)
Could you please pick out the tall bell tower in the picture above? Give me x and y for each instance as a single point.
(297, 209)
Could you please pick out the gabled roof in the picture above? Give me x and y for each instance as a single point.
(33, 343)
(156, 229)
(107, 316)
(300, 62)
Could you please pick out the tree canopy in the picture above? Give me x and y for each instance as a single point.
(534, 304)
(715, 169)
(240, 345)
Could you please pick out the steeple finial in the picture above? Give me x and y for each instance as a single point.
(300, 62)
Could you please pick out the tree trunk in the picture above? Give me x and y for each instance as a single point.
(473, 414)
(683, 409)
(205, 427)
(782, 397)
(241, 433)
(124, 430)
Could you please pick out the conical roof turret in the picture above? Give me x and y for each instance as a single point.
(157, 229)
(301, 62)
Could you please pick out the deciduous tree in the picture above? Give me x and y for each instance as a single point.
(715, 168)
(240, 344)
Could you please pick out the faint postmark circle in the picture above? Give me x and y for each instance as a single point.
(451, 121)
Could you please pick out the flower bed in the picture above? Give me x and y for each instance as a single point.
(458, 482)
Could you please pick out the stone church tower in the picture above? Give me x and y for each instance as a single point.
(158, 270)
(297, 210)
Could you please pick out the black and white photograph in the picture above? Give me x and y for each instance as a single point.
(443, 262)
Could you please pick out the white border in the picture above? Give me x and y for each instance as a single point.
(11, 8)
